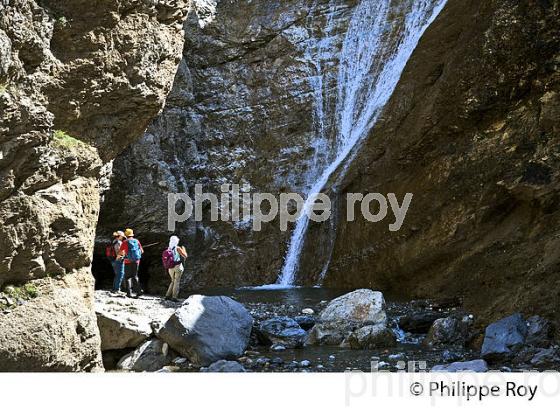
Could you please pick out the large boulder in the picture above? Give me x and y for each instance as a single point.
(347, 313)
(449, 330)
(371, 337)
(125, 322)
(282, 330)
(151, 356)
(504, 338)
(206, 329)
(477, 366)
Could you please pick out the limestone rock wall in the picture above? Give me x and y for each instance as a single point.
(472, 131)
(241, 111)
(79, 81)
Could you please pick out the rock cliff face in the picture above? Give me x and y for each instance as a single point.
(79, 81)
(472, 131)
(241, 111)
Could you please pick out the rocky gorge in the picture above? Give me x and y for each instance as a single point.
(356, 331)
(106, 108)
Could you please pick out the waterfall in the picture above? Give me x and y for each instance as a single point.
(380, 39)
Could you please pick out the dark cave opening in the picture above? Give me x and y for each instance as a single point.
(152, 275)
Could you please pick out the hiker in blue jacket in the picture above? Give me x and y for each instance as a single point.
(131, 252)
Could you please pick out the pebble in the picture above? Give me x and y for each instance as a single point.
(262, 361)
(278, 348)
(308, 311)
(277, 361)
(397, 356)
(305, 363)
(332, 357)
(179, 360)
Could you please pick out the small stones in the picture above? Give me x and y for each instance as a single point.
(278, 347)
(308, 311)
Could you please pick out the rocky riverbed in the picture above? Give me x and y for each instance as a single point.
(313, 330)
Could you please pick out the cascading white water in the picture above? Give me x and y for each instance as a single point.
(376, 48)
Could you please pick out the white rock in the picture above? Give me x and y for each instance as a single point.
(342, 315)
(125, 322)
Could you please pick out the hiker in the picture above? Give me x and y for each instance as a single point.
(112, 252)
(172, 259)
(131, 252)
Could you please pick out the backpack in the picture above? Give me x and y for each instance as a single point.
(110, 251)
(168, 259)
(134, 253)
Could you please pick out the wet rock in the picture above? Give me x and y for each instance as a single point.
(206, 329)
(308, 311)
(262, 361)
(448, 331)
(150, 356)
(304, 363)
(371, 337)
(277, 347)
(477, 366)
(305, 322)
(347, 313)
(539, 332)
(419, 322)
(277, 361)
(224, 366)
(282, 330)
(504, 338)
(547, 358)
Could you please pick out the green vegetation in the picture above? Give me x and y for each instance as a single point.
(61, 21)
(62, 139)
(12, 294)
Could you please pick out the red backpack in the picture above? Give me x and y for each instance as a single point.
(110, 251)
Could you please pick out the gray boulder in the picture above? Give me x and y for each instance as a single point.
(347, 313)
(282, 330)
(206, 329)
(477, 366)
(224, 366)
(504, 338)
(449, 331)
(151, 356)
(371, 337)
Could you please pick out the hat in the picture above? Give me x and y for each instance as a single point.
(128, 232)
(115, 234)
(120, 233)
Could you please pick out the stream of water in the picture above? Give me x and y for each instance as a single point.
(380, 39)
